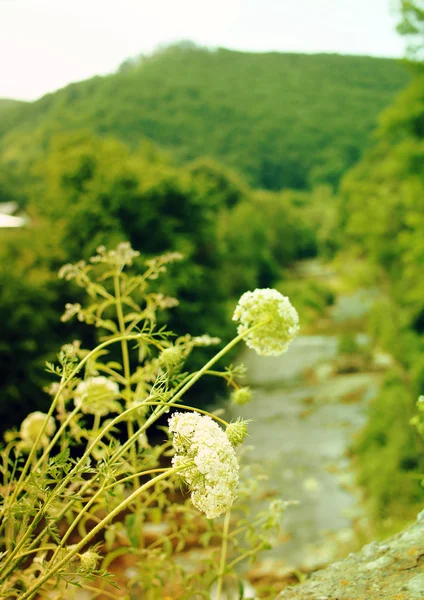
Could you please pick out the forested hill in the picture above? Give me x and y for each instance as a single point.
(6, 104)
(282, 120)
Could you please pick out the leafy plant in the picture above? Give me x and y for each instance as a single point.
(82, 484)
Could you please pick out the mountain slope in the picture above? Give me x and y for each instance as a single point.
(283, 120)
(7, 104)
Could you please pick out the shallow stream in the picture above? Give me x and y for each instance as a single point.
(305, 416)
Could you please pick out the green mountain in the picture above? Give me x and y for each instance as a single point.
(282, 120)
(6, 105)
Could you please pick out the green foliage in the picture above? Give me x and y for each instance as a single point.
(387, 190)
(276, 118)
(311, 297)
(83, 487)
(382, 208)
(88, 191)
(391, 457)
(412, 26)
(30, 300)
(6, 105)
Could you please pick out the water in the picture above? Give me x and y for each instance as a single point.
(305, 417)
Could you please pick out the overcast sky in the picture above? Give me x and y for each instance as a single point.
(46, 44)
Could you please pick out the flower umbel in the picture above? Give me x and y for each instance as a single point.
(97, 395)
(121, 257)
(213, 478)
(31, 426)
(280, 318)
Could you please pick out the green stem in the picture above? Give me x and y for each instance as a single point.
(56, 437)
(93, 499)
(195, 377)
(34, 448)
(96, 530)
(75, 522)
(141, 474)
(245, 555)
(103, 592)
(34, 550)
(63, 384)
(127, 369)
(224, 550)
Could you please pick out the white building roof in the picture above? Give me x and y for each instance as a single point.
(10, 221)
(8, 208)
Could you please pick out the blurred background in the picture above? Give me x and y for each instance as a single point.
(275, 144)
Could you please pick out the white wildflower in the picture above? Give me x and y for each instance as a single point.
(205, 340)
(53, 388)
(72, 351)
(75, 271)
(70, 311)
(213, 478)
(122, 256)
(32, 425)
(97, 396)
(280, 318)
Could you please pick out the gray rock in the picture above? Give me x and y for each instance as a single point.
(390, 570)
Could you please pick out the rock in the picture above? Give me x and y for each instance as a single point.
(389, 570)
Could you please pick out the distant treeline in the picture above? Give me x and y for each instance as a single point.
(281, 120)
(87, 191)
(382, 224)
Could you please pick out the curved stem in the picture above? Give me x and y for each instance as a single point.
(56, 437)
(91, 588)
(96, 530)
(254, 550)
(88, 505)
(75, 522)
(195, 377)
(63, 384)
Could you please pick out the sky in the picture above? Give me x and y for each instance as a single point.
(46, 44)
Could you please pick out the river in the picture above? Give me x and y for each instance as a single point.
(305, 415)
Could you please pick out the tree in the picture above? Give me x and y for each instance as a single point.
(412, 26)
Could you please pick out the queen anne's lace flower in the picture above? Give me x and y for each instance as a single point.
(171, 357)
(70, 311)
(280, 318)
(213, 478)
(97, 395)
(31, 427)
(122, 256)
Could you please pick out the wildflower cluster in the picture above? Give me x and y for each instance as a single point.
(97, 396)
(56, 493)
(274, 317)
(212, 471)
(34, 424)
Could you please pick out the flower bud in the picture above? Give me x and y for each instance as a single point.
(171, 358)
(241, 396)
(237, 431)
(89, 560)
